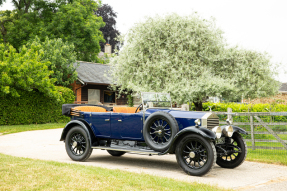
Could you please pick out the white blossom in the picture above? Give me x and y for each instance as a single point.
(187, 57)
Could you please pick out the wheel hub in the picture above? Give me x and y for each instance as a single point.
(160, 131)
(191, 154)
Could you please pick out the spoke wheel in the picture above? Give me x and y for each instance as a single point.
(159, 130)
(236, 152)
(77, 144)
(195, 155)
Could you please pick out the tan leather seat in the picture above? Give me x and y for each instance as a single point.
(90, 109)
(124, 109)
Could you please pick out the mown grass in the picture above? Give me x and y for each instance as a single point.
(29, 174)
(267, 156)
(7, 129)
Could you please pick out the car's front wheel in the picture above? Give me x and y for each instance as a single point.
(195, 155)
(77, 144)
(236, 152)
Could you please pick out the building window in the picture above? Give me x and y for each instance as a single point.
(109, 97)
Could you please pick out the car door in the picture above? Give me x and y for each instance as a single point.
(101, 123)
(132, 125)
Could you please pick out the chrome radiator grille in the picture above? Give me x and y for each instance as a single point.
(212, 122)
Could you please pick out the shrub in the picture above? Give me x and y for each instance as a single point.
(33, 107)
(130, 101)
(238, 107)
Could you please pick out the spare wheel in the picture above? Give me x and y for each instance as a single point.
(159, 130)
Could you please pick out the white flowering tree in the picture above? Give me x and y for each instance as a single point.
(186, 56)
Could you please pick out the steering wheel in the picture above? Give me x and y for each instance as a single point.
(138, 107)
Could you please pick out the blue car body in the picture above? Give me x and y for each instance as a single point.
(130, 125)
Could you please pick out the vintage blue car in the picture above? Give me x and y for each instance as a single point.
(154, 128)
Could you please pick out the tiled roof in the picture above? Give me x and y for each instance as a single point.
(283, 87)
(93, 73)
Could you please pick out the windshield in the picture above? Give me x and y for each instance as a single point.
(154, 100)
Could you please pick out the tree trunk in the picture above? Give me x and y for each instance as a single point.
(198, 106)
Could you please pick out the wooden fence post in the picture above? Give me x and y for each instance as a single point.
(252, 132)
(229, 116)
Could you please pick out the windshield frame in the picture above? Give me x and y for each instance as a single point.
(148, 106)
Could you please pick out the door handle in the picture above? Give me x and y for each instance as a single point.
(107, 119)
(120, 120)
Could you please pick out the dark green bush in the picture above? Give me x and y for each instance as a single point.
(130, 100)
(32, 107)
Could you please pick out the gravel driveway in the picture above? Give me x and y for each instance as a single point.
(45, 145)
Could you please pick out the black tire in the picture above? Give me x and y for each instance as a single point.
(195, 155)
(116, 153)
(77, 144)
(159, 130)
(233, 160)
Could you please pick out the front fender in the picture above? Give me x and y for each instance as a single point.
(76, 123)
(204, 132)
(237, 129)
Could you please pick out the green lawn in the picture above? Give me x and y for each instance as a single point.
(29, 174)
(7, 129)
(267, 156)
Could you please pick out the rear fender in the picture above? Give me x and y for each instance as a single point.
(204, 132)
(81, 123)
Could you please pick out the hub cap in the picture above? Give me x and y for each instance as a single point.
(191, 154)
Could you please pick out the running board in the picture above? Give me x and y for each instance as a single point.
(129, 150)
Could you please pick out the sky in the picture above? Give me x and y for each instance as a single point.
(251, 24)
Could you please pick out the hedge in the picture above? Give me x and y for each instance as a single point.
(238, 107)
(34, 108)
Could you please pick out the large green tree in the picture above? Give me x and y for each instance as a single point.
(25, 71)
(73, 21)
(60, 58)
(187, 56)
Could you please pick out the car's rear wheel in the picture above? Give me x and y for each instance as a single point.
(116, 153)
(77, 144)
(236, 152)
(159, 130)
(195, 155)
